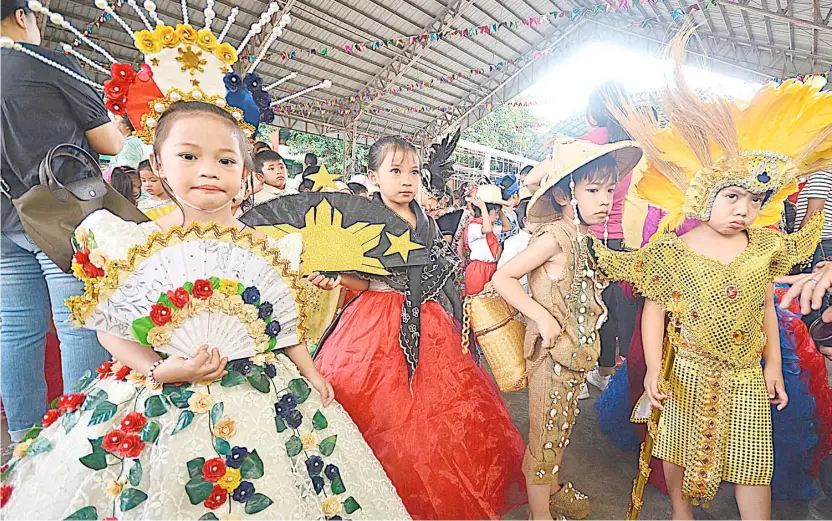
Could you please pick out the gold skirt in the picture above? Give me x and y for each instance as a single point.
(717, 425)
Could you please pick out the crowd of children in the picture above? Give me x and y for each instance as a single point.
(221, 397)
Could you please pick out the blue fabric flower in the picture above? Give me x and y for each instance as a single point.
(266, 115)
(237, 457)
(273, 328)
(332, 472)
(262, 99)
(232, 82)
(286, 405)
(251, 295)
(314, 465)
(253, 82)
(241, 366)
(271, 370)
(243, 492)
(265, 311)
(294, 418)
(318, 483)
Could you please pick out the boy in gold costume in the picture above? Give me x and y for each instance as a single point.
(709, 314)
(561, 342)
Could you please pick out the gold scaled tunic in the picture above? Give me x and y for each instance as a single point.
(556, 375)
(717, 422)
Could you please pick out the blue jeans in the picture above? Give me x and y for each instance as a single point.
(29, 281)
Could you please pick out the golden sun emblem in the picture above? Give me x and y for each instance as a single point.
(191, 60)
(328, 246)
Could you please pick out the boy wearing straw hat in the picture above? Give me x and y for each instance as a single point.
(480, 239)
(566, 309)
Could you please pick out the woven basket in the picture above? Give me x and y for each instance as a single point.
(500, 333)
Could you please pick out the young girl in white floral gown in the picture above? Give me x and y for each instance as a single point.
(171, 429)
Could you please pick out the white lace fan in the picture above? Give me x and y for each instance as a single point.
(181, 291)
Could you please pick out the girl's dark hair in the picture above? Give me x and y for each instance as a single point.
(488, 206)
(598, 170)
(306, 185)
(384, 146)
(357, 188)
(522, 211)
(128, 124)
(598, 113)
(122, 182)
(144, 165)
(9, 7)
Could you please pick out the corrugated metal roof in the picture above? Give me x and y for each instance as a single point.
(749, 38)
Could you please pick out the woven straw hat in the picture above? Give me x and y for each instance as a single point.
(490, 194)
(569, 155)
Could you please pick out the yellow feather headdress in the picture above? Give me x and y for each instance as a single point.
(784, 132)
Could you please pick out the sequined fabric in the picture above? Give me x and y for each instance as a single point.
(717, 423)
(555, 375)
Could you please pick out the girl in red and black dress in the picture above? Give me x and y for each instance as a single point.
(434, 419)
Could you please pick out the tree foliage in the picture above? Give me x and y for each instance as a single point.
(330, 151)
(509, 128)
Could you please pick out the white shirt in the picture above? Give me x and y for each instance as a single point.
(511, 248)
(478, 244)
(819, 186)
(269, 192)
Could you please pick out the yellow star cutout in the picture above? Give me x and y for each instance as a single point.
(401, 245)
(323, 179)
(195, 83)
(225, 69)
(154, 62)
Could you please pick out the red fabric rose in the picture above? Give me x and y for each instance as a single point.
(104, 369)
(71, 402)
(51, 417)
(145, 73)
(203, 289)
(112, 441)
(216, 499)
(131, 446)
(117, 105)
(115, 89)
(179, 298)
(6, 494)
(133, 422)
(82, 256)
(160, 314)
(122, 373)
(213, 470)
(91, 270)
(122, 72)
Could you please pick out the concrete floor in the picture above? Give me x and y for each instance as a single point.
(597, 468)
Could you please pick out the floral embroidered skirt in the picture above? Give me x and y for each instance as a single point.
(257, 444)
(448, 443)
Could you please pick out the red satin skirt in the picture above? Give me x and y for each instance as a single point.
(477, 275)
(448, 444)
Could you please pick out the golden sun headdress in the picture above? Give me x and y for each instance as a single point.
(764, 146)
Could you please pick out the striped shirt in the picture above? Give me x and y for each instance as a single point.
(819, 186)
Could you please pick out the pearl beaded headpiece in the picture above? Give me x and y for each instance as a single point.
(180, 63)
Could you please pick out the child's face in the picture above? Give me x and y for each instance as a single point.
(594, 200)
(274, 173)
(735, 209)
(494, 215)
(201, 160)
(151, 183)
(398, 176)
